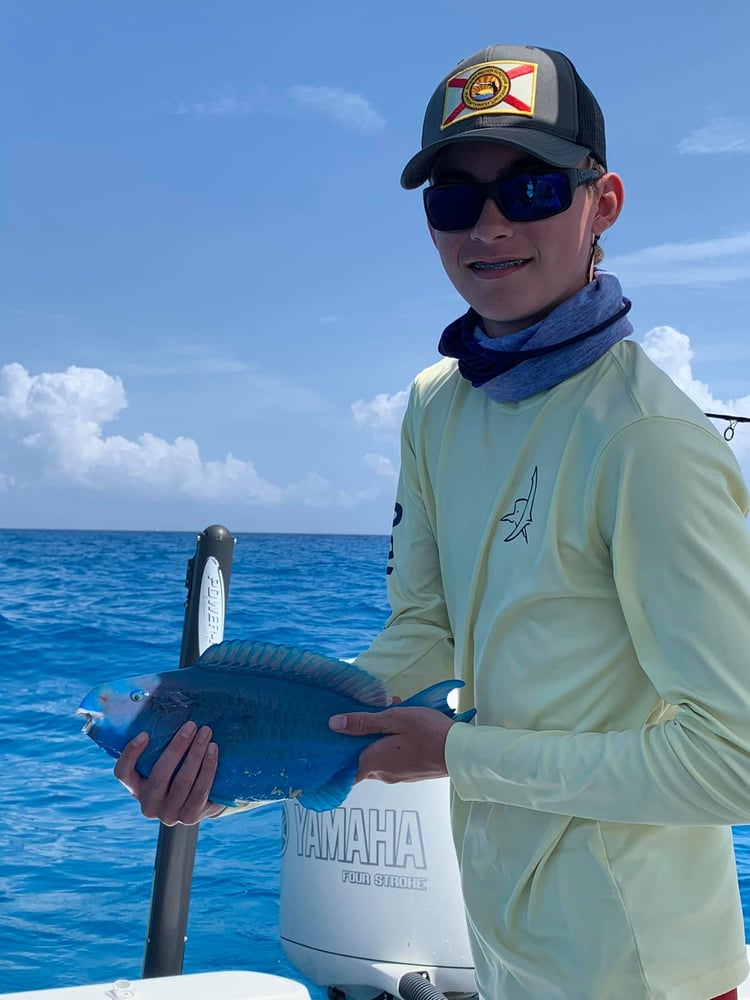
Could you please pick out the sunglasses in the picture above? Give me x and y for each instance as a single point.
(521, 197)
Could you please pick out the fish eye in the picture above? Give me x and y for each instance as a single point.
(138, 694)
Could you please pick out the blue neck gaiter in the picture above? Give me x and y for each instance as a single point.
(574, 335)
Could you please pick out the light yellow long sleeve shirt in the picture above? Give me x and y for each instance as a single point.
(581, 560)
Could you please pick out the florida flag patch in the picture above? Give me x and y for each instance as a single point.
(493, 88)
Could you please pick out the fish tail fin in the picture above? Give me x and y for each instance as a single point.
(436, 696)
(466, 716)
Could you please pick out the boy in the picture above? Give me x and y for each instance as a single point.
(571, 542)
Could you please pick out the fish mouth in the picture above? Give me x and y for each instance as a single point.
(91, 719)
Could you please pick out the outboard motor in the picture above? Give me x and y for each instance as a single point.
(370, 894)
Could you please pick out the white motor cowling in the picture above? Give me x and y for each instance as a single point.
(370, 891)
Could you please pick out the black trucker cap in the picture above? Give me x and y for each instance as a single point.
(526, 97)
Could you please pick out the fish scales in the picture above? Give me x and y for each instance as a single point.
(268, 707)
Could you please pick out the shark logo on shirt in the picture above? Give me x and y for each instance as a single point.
(520, 517)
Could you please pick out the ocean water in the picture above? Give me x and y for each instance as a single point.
(76, 856)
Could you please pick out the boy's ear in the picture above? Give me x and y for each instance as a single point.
(611, 197)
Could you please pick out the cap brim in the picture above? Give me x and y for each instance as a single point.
(550, 148)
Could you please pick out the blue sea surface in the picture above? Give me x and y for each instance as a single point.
(76, 856)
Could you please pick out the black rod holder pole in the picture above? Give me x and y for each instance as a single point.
(207, 581)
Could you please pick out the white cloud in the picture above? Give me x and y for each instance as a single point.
(384, 412)
(179, 360)
(382, 417)
(223, 107)
(316, 491)
(340, 106)
(353, 498)
(722, 260)
(722, 135)
(85, 396)
(60, 418)
(671, 351)
(380, 465)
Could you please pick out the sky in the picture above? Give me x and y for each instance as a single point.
(215, 293)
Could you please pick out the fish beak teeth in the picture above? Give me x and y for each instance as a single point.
(91, 718)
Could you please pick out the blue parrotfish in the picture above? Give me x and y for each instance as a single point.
(268, 707)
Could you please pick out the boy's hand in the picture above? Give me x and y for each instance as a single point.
(413, 748)
(173, 793)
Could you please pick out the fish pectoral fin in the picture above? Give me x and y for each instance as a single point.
(333, 792)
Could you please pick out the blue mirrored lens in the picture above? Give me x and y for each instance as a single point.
(520, 197)
(528, 197)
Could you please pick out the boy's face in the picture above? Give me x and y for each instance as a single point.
(548, 259)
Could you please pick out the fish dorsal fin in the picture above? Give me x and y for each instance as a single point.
(264, 659)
